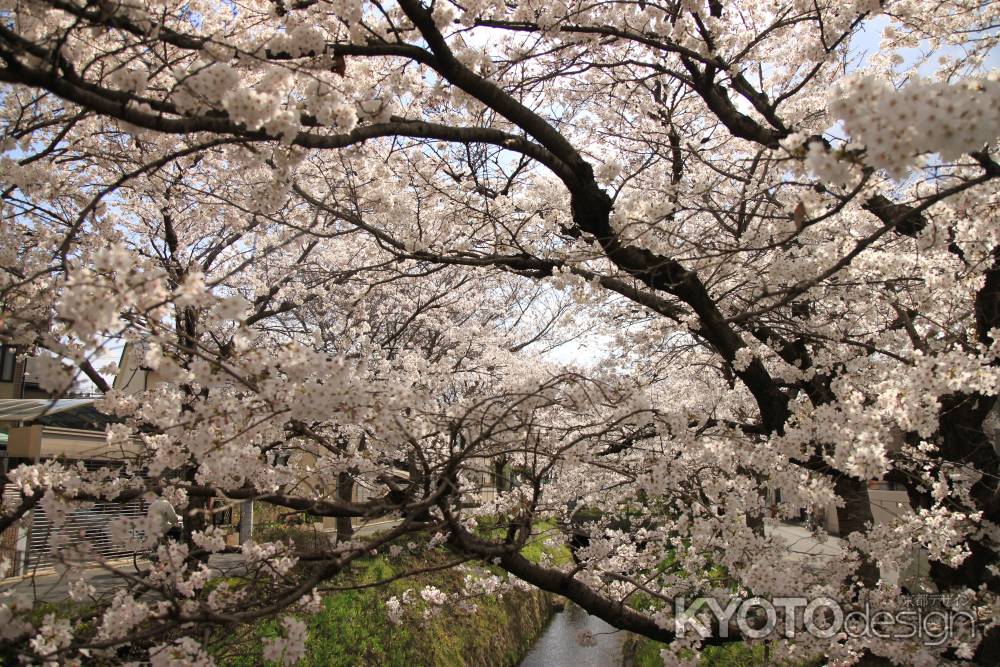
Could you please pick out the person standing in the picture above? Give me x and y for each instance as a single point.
(164, 520)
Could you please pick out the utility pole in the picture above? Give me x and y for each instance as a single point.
(246, 521)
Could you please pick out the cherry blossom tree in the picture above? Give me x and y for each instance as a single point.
(354, 233)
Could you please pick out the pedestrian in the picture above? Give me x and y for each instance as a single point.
(163, 520)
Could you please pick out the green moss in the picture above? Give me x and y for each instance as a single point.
(547, 545)
(353, 627)
(643, 652)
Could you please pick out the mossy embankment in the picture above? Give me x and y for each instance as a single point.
(644, 652)
(354, 628)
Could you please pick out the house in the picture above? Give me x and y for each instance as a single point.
(17, 375)
(36, 427)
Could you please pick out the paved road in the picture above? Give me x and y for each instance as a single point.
(50, 586)
(803, 546)
(53, 587)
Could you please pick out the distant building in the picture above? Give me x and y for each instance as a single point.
(36, 427)
(17, 376)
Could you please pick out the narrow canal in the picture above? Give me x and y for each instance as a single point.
(560, 646)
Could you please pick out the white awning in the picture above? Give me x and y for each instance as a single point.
(23, 409)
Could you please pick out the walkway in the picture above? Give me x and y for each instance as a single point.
(50, 586)
(803, 545)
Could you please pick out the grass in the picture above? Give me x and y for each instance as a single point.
(353, 627)
(538, 550)
(646, 653)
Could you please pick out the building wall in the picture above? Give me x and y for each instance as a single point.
(132, 377)
(15, 387)
(44, 442)
(886, 504)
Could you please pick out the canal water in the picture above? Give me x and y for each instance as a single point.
(559, 645)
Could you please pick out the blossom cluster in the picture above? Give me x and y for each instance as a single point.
(899, 126)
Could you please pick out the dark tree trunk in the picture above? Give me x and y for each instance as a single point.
(855, 516)
(345, 491)
(499, 477)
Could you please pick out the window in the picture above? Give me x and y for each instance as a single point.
(7, 360)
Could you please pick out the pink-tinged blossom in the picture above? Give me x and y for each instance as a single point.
(183, 652)
(121, 618)
(688, 282)
(53, 634)
(291, 646)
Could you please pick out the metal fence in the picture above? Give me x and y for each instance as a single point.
(45, 543)
(90, 525)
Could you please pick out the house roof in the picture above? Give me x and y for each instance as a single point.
(77, 413)
(26, 409)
